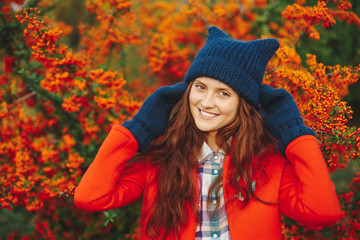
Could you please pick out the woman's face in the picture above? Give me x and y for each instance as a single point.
(213, 104)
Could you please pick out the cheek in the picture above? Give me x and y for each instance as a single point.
(192, 101)
(233, 116)
(230, 115)
(230, 111)
(193, 98)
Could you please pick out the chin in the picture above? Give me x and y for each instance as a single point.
(205, 129)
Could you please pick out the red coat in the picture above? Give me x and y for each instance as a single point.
(300, 184)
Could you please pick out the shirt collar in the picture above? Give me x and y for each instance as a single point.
(206, 152)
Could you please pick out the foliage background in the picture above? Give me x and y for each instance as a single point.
(70, 69)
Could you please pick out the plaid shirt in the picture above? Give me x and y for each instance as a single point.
(210, 166)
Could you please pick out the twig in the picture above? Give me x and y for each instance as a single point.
(23, 98)
(304, 32)
(306, 29)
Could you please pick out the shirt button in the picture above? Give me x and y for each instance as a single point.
(216, 157)
(216, 171)
(214, 202)
(215, 235)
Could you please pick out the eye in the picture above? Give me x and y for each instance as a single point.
(200, 86)
(224, 94)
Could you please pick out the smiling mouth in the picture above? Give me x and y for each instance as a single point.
(207, 114)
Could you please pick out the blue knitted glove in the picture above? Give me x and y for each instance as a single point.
(281, 115)
(152, 119)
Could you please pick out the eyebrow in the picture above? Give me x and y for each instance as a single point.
(229, 89)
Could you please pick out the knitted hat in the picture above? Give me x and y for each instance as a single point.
(239, 64)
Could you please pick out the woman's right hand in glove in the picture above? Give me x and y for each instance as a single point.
(152, 119)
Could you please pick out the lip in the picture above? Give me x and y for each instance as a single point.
(209, 115)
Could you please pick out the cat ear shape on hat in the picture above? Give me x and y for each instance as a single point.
(268, 47)
(216, 33)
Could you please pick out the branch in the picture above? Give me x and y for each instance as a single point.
(23, 98)
(307, 28)
(304, 32)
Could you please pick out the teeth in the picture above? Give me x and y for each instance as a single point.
(206, 114)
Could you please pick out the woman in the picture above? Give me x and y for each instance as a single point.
(232, 155)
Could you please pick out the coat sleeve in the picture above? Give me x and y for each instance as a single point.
(109, 183)
(307, 194)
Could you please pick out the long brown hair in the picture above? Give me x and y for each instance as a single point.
(175, 156)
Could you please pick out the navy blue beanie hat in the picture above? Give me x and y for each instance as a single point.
(239, 64)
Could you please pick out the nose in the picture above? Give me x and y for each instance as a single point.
(208, 101)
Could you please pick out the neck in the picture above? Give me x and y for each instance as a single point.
(211, 141)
